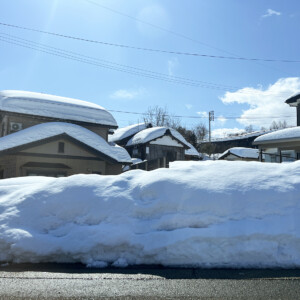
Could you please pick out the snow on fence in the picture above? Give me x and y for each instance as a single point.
(201, 214)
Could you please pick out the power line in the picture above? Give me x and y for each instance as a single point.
(109, 65)
(151, 49)
(70, 55)
(203, 117)
(180, 35)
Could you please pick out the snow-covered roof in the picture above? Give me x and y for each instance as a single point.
(122, 133)
(282, 135)
(153, 133)
(192, 150)
(46, 130)
(39, 104)
(294, 100)
(241, 136)
(241, 152)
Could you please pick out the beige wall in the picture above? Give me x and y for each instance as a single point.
(52, 148)
(76, 166)
(114, 169)
(28, 121)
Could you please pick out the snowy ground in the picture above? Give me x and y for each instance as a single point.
(204, 214)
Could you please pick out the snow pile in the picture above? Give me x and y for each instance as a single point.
(283, 134)
(46, 130)
(125, 132)
(241, 152)
(207, 214)
(55, 107)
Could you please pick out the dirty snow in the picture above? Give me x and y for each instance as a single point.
(54, 106)
(282, 134)
(51, 129)
(204, 214)
(242, 152)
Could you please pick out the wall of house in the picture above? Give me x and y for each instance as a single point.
(170, 152)
(231, 157)
(113, 169)
(13, 165)
(76, 166)
(8, 166)
(28, 121)
(70, 149)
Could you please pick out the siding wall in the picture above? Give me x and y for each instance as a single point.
(28, 121)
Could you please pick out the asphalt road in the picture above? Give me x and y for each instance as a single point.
(72, 281)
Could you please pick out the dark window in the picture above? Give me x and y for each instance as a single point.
(1, 174)
(61, 147)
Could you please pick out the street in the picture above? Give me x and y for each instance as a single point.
(74, 281)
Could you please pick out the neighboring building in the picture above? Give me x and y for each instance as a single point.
(157, 146)
(122, 135)
(32, 143)
(294, 101)
(240, 153)
(244, 141)
(160, 145)
(20, 110)
(157, 142)
(280, 146)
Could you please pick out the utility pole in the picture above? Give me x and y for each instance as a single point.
(210, 118)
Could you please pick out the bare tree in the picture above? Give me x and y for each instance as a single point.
(159, 116)
(249, 128)
(278, 125)
(200, 131)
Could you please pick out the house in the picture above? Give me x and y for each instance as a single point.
(122, 135)
(156, 147)
(294, 101)
(240, 153)
(222, 144)
(280, 146)
(55, 136)
(139, 132)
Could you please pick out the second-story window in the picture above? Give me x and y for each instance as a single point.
(61, 147)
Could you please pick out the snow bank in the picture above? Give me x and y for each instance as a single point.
(205, 214)
(54, 106)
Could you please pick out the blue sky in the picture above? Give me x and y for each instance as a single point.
(240, 92)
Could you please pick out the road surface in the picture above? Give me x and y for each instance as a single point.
(74, 281)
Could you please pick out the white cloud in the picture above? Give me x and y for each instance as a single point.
(172, 65)
(221, 120)
(202, 114)
(188, 106)
(126, 94)
(266, 105)
(224, 132)
(270, 12)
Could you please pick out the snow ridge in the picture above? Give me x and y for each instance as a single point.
(202, 214)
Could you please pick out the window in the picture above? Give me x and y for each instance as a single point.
(61, 147)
